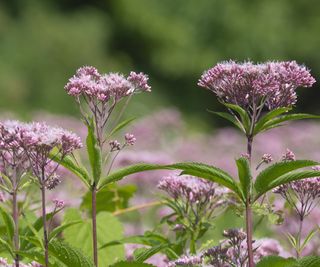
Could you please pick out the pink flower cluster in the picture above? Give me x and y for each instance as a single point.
(35, 141)
(189, 188)
(90, 83)
(246, 84)
(4, 263)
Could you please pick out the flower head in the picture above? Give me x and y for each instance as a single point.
(88, 82)
(130, 139)
(114, 145)
(267, 158)
(302, 195)
(38, 140)
(288, 156)
(139, 81)
(186, 261)
(247, 84)
(189, 188)
(59, 204)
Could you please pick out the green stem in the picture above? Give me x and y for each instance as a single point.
(298, 248)
(15, 216)
(94, 224)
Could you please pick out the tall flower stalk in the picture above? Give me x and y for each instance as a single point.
(14, 166)
(98, 96)
(248, 90)
(38, 141)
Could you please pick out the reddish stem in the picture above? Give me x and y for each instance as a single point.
(249, 221)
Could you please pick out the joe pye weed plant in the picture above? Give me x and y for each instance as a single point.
(258, 97)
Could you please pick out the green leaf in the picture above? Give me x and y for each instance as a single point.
(270, 174)
(131, 264)
(143, 254)
(245, 177)
(210, 173)
(94, 152)
(308, 238)
(121, 173)
(7, 246)
(230, 118)
(245, 119)
(309, 261)
(33, 229)
(56, 231)
(276, 261)
(71, 165)
(269, 116)
(110, 198)
(108, 229)
(292, 240)
(37, 256)
(148, 239)
(299, 116)
(69, 255)
(121, 125)
(290, 177)
(9, 223)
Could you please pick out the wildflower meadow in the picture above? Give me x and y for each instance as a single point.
(114, 190)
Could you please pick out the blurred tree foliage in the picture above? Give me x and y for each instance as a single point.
(43, 42)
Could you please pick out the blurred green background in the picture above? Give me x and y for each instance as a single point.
(43, 42)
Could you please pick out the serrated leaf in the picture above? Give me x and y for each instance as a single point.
(32, 229)
(9, 223)
(270, 174)
(290, 177)
(309, 261)
(121, 173)
(121, 125)
(72, 166)
(37, 256)
(210, 173)
(245, 119)
(69, 255)
(268, 117)
(299, 116)
(245, 177)
(56, 231)
(94, 152)
(110, 198)
(131, 264)
(276, 261)
(230, 118)
(108, 228)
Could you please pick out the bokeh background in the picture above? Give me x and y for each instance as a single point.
(42, 43)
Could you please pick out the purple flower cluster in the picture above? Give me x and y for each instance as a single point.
(189, 188)
(31, 143)
(272, 84)
(88, 82)
(267, 158)
(186, 261)
(302, 195)
(288, 156)
(4, 263)
(233, 250)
